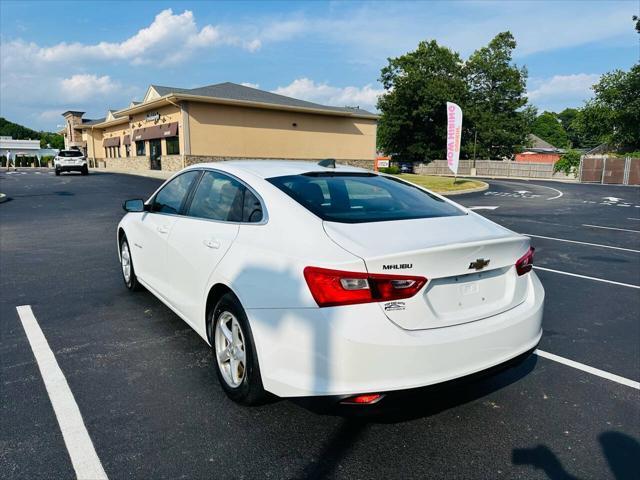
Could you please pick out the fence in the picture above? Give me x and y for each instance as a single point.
(493, 168)
(610, 170)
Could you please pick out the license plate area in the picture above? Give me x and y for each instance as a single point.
(468, 297)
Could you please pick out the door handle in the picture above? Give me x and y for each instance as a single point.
(211, 243)
(163, 229)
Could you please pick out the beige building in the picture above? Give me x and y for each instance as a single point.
(175, 127)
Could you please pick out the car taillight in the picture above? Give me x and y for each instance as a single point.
(525, 263)
(331, 288)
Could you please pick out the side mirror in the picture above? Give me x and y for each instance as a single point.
(135, 205)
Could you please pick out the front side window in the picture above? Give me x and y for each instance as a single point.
(218, 197)
(173, 146)
(140, 148)
(173, 194)
(362, 197)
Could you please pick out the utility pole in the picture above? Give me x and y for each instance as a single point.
(475, 141)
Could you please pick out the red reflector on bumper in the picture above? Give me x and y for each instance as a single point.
(368, 399)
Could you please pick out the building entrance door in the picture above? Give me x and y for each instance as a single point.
(155, 151)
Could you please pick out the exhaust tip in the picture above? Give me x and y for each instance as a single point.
(365, 399)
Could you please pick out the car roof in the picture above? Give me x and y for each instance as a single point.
(277, 168)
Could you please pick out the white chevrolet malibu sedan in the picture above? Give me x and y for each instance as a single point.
(317, 280)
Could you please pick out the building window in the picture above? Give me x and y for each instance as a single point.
(106, 152)
(173, 146)
(140, 149)
(127, 150)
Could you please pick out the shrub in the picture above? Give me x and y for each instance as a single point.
(568, 163)
(390, 170)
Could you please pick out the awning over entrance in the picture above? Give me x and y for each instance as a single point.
(111, 142)
(157, 131)
(126, 140)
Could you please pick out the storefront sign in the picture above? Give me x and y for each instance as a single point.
(152, 116)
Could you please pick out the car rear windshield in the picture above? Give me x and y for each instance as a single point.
(362, 197)
(70, 153)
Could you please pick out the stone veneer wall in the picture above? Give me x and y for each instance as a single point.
(123, 163)
(193, 159)
(173, 163)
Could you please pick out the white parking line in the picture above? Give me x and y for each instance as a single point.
(631, 218)
(582, 243)
(482, 208)
(629, 285)
(79, 445)
(586, 368)
(610, 228)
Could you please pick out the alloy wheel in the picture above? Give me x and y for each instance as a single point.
(230, 349)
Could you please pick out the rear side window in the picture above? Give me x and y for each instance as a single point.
(252, 208)
(360, 198)
(172, 195)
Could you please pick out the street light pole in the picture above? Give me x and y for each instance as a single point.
(475, 141)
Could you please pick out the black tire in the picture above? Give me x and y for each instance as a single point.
(132, 284)
(57, 172)
(250, 391)
(85, 170)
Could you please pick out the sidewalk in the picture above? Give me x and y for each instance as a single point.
(161, 174)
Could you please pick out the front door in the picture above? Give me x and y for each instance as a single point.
(155, 150)
(200, 239)
(150, 248)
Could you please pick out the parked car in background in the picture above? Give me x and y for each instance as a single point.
(406, 167)
(71, 161)
(312, 280)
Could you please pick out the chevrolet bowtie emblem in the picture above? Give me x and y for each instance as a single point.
(479, 264)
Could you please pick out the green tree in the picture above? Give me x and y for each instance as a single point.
(55, 140)
(418, 84)
(613, 115)
(19, 132)
(549, 128)
(497, 97)
(568, 163)
(569, 121)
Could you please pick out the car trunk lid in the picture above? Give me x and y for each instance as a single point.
(469, 263)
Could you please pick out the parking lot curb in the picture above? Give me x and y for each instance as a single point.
(160, 174)
(481, 188)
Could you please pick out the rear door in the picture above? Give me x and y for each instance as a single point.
(200, 239)
(149, 247)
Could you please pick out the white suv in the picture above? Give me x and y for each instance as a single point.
(71, 161)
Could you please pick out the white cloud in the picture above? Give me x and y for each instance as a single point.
(568, 88)
(80, 87)
(170, 38)
(370, 32)
(306, 89)
(49, 115)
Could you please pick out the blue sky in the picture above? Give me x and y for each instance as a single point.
(92, 56)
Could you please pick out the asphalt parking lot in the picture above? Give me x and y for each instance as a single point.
(150, 400)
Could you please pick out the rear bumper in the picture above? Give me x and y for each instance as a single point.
(71, 168)
(356, 349)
